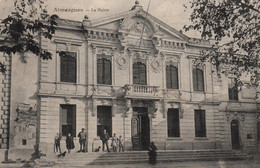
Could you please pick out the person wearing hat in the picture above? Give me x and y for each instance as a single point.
(82, 140)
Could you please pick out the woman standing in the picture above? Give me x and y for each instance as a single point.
(70, 143)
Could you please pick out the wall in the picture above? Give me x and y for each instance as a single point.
(24, 106)
(5, 88)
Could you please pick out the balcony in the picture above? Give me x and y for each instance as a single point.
(142, 91)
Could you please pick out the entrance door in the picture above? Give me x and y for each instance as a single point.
(235, 134)
(258, 133)
(140, 128)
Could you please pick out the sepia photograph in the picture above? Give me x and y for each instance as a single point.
(130, 83)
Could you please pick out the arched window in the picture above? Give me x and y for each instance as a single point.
(198, 79)
(172, 77)
(139, 73)
(68, 67)
(104, 71)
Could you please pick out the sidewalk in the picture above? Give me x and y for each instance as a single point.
(197, 164)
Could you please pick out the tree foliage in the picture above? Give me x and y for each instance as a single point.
(234, 25)
(22, 29)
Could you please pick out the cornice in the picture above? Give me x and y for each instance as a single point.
(63, 40)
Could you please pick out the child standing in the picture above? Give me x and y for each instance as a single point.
(114, 143)
(70, 143)
(120, 143)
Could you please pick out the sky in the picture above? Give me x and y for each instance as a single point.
(171, 12)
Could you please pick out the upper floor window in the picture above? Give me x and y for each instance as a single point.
(139, 73)
(232, 89)
(200, 123)
(172, 77)
(68, 67)
(198, 79)
(104, 71)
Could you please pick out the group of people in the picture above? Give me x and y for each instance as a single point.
(116, 144)
(69, 143)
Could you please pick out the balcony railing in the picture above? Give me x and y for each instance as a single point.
(141, 90)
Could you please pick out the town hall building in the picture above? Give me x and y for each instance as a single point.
(132, 75)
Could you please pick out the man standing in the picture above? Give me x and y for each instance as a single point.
(82, 140)
(57, 139)
(104, 138)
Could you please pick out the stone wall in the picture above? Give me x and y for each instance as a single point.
(5, 87)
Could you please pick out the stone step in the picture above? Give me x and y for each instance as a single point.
(159, 157)
(83, 159)
(164, 160)
(121, 155)
(145, 155)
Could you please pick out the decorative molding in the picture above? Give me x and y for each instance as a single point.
(165, 109)
(139, 27)
(156, 65)
(114, 107)
(104, 51)
(94, 107)
(67, 100)
(181, 108)
(108, 57)
(121, 60)
(235, 115)
(258, 116)
(157, 106)
(67, 41)
(26, 115)
(128, 105)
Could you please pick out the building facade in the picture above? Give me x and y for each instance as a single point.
(132, 75)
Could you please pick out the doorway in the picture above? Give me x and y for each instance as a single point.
(235, 138)
(140, 128)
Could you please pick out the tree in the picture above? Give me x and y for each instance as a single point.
(234, 25)
(24, 26)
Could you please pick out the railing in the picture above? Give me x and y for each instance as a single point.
(141, 90)
(144, 89)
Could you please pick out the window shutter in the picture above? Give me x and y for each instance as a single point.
(135, 74)
(68, 67)
(71, 69)
(107, 72)
(173, 123)
(142, 74)
(99, 71)
(174, 74)
(139, 73)
(200, 123)
(200, 80)
(63, 69)
(203, 124)
(168, 77)
(195, 82)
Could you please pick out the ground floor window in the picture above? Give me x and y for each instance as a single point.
(173, 122)
(200, 123)
(68, 120)
(104, 120)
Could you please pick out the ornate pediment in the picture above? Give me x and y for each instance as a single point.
(139, 28)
